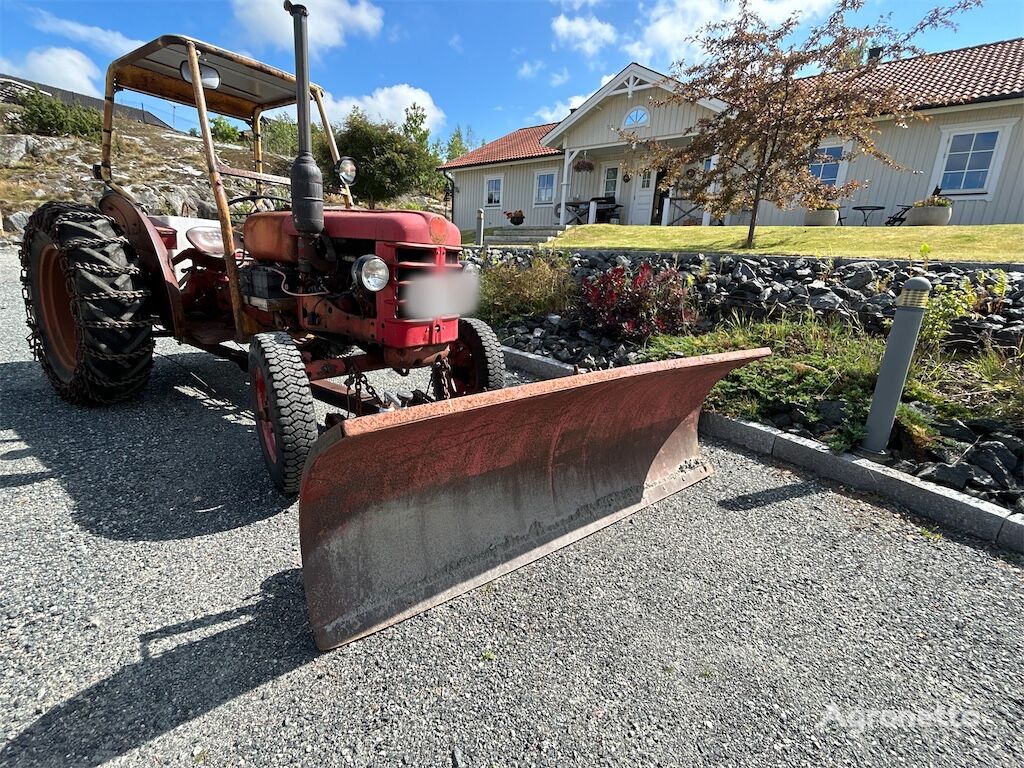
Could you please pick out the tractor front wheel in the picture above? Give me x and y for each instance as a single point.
(86, 304)
(283, 402)
(475, 362)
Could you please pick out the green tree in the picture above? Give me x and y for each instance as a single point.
(854, 57)
(388, 160)
(46, 116)
(280, 135)
(222, 130)
(456, 146)
(414, 128)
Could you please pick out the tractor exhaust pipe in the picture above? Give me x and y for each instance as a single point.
(307, 182)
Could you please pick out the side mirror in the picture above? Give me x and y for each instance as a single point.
(346, 170)
(209, 76)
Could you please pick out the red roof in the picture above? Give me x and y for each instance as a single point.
(518, 145)
(988, 72)
(980, 73)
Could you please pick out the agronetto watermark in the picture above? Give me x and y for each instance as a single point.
(858, 721)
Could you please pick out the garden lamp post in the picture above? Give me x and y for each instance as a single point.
(892, 375)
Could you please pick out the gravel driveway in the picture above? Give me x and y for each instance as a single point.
(153, 615)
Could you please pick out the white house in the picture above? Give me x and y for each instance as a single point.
(971, 146)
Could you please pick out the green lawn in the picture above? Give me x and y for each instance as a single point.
(993, 242)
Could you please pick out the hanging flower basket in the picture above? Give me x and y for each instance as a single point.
(583, 165)
(516, 217)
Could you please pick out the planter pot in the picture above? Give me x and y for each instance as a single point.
(822, 218)
(517, 220)
(929, 216)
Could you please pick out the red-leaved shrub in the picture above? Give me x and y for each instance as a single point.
(637, 304)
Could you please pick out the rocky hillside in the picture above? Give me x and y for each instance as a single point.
(163, 170)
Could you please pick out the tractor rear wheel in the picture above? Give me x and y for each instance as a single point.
(283, 402)
(475, 362)
(86, 305)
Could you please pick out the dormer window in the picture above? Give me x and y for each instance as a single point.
(636, 118)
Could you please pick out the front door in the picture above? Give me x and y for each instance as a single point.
(643, 199)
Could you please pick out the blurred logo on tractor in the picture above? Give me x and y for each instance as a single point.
(438, 230)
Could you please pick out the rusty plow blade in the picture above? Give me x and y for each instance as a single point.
(401, 511)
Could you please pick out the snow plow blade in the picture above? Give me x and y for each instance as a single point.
(403, 510)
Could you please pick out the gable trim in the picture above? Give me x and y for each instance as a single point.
(631, 76)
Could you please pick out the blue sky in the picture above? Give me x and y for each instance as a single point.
(495, 66)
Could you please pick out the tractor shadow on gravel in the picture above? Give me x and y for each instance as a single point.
(180, 461)
(175, 681)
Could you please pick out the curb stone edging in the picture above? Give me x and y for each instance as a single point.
(538, 365)
(945, 506)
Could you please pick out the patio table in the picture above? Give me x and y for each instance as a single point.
(867, 210)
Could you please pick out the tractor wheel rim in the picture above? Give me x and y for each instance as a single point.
(263, 416)
(61, 332)
(463, 369)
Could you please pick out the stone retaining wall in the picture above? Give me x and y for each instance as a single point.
(768, 286)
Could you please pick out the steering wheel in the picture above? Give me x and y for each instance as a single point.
(255, 199)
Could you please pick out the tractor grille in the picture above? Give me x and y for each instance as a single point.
(414, 263)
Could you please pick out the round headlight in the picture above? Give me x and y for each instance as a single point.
(370, 272)
(347, 169)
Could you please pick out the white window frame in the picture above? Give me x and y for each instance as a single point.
(1005, 128)
(630, 111)
(618, 180)
(844, 147)
(553, 172)
(501, 190)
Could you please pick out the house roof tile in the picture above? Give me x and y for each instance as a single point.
(980, 73)
(521, 144)
(989, 72)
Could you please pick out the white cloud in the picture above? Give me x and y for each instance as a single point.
(586, 34)
(387, 103)
(108, 41)
(575, 5)
(455, 43)
(559, 110)
(605, 79)
(62, 67)
(529, 69)
(666, 24)
(559, 78)
(330, 22)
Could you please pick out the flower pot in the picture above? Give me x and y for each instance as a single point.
(517, 220)
(929, 216)
(825, 217)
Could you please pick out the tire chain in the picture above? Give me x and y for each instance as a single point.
(34, 337)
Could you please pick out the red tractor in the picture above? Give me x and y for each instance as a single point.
(303, 285)
(412, 498)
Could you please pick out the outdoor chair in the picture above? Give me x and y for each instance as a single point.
(897, 219)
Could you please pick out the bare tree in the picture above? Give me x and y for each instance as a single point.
(775, 117)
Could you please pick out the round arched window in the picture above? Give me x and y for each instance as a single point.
(636, 117)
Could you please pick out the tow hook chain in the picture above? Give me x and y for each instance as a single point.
(356, 381)
(442, 376)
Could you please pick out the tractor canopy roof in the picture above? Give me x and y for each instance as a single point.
(234, 85)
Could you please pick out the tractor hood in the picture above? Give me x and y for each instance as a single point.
(271, 236)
